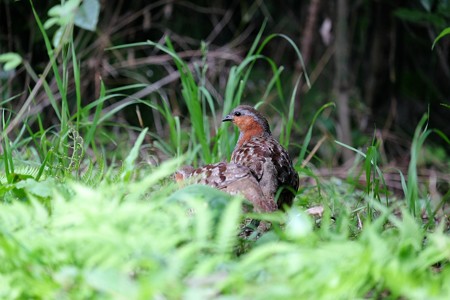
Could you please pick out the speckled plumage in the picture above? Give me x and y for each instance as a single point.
(231, 178)
(258, 150)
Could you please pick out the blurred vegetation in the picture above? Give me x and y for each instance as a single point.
(96, 114)
(393, 75)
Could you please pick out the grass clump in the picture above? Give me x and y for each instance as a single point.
(134, 240)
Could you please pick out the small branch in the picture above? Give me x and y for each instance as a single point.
(313, 151)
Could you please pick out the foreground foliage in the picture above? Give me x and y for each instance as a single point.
(143, 240)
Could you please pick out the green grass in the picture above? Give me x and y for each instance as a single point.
(80, 221)
(132, 239)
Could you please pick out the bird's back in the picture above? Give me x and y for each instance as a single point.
(231, 178)
(271, 165)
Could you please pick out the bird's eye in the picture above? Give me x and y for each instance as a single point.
(237, 113)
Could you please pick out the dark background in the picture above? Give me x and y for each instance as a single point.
(379, 68)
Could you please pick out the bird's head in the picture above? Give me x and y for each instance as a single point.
(248, 119)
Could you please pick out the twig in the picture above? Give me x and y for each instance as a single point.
(313, 151)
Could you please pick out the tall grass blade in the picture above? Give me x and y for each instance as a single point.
(191, 95)
(308, 136)
(7, 152)
(44, 164)
(93, 127)
(285, 136)
(77, 80)
(294, 46)
(412, 195)
(128, 165)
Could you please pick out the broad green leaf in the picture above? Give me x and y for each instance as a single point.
(418, 16)
(57, 37)
(50, 22)
(87, 15)
(11, 60)
(38, 188)
(444, 32)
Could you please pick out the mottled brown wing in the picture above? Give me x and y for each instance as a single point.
(287, 177)
(218, 175)
(262, 150)
(231, 178)
(252, 154)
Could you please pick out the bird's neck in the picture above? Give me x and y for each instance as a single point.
(248, 134)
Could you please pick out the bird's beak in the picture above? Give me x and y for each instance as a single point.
(227, 118)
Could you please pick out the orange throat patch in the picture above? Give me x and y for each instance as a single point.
(248, 128)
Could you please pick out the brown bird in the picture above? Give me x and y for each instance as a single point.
(231, 178)
(258, 150)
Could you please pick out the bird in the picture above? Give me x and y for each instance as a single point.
(231, 178)
(267, 160)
